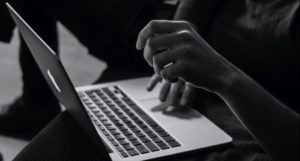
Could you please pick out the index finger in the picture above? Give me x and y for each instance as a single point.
(156, 27)
(153, 81)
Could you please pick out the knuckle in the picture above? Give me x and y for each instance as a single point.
(186, 35)
(156, 60)
(150, 42)
(152, 24)
(145, 56)
(165, 74)
(187, 25)
(182, 66)
(187, 49)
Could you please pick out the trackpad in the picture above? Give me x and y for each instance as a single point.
(155, 107)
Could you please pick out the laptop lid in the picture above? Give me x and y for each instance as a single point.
(57, 78)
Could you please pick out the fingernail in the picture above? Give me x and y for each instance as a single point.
(148, 89)
(138, 46)
(183, 102)
(162, 98)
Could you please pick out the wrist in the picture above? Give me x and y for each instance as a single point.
(228, 81)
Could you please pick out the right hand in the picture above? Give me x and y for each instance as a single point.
(192, 59)
(179, 94)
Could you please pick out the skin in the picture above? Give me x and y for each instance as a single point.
(169, 91)
(193, 60)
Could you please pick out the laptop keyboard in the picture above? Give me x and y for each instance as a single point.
(129, 129)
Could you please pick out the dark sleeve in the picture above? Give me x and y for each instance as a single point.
(6, 24)
(295, 30)
(198, 12)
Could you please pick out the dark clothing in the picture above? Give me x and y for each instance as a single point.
(90, 23)
(256, 37)
(260, 37)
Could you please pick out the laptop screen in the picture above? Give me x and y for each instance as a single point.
(57, 78)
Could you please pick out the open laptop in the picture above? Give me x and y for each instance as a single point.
(119, 115)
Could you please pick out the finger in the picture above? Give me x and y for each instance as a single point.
(172, 72)
(175, 92)
(164, 59)
(188, 95)
(153, 81)
(168, 58)
(160, 43)
(159, 27)
(165, 89)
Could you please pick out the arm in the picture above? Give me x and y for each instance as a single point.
(272, 124)
(193, 60)
(198, 12)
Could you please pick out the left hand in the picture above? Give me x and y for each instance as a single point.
(177, 94)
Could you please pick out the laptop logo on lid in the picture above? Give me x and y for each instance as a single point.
(53, 80)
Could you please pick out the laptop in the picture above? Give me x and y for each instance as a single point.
(118, 117)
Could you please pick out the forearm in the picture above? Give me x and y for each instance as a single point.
(197, 12)
(274, 126)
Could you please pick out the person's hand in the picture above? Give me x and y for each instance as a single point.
(175, 50)
(177, 94)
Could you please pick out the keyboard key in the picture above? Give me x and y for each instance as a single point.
(135, 130)
(152, 135)
(126, 133)
(168, 138)
(97, 123)
(151, 146)
(128, 147)
(119, 137)
(145, 140)
(142, 149)
(98, 114)
(119, 124)
(147, 130)
(131, 138)
(131, 125)
(106, 123)
(136, 142)
(110, 138)
(140, 135)
(101, 128)
(119, 149)
(110, 128)
(89, 104)
(163, 134)
(156, 139)
(114, 132)
(125, 155)
(81, 94)
(123, 142)
(122, 128)
(105, 133)
(114, 143)
(133, 152)
(102, 118)
(174, 144)
(110, 115)
(106, 111)
(163, 145)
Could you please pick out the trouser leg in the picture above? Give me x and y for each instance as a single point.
(109, 28)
